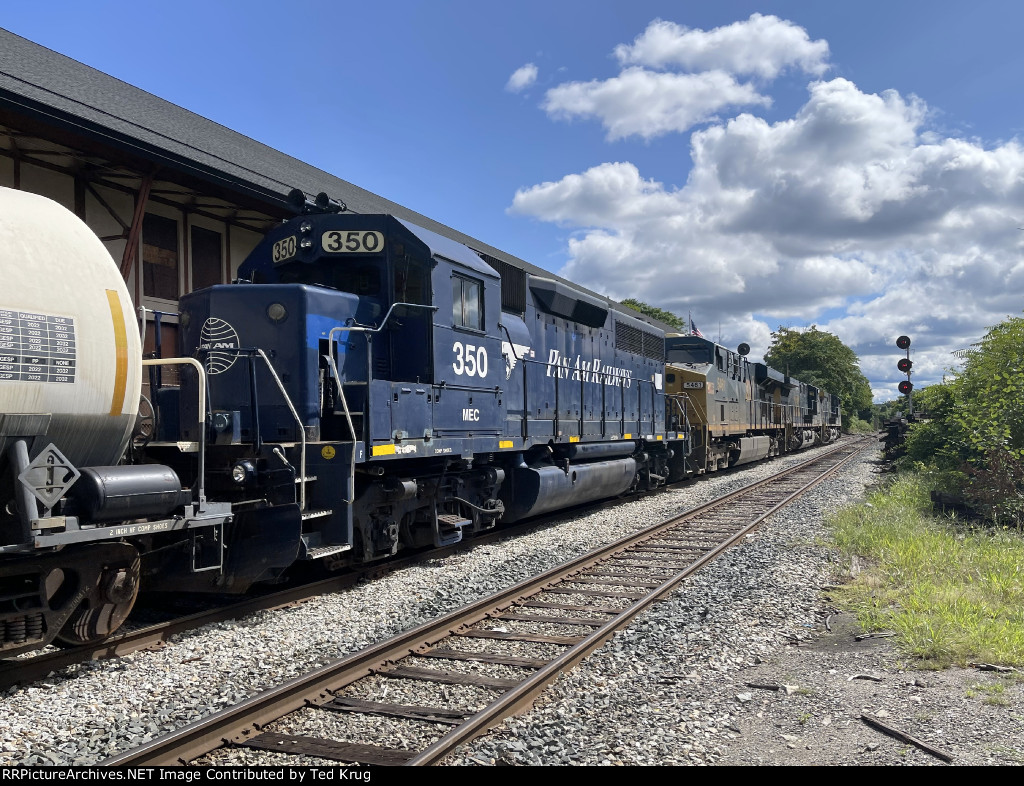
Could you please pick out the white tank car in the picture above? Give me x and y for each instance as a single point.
(70, 357)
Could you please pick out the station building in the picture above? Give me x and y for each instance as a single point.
(178, 200)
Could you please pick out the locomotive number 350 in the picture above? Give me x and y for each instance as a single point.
(470, 360)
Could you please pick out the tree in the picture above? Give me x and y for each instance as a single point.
(821, 359)
(656, 313)
(972, 443)
(989, 393)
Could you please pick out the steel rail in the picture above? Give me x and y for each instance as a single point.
(23, 670)
(242, 722)
(19, 671)
(523, 696)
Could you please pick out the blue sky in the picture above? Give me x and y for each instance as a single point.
(854, 166)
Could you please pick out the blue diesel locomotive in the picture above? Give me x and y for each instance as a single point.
(365, 387)
(374, 386)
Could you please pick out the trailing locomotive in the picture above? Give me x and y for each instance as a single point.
(741, 411)
(366, 386)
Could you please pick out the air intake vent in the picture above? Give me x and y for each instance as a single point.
(513, 284)
(639, 342)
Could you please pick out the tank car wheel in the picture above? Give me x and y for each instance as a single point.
(104, 610)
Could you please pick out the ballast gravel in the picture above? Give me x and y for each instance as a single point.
(672, 689)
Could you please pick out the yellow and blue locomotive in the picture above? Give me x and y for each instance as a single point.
(741, 411)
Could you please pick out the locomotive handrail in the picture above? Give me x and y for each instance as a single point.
(154, 381)
(201, 374)
(287, 400)
(364, 329)
(298, 421)
(350, 498)
(680, 400)
(332, 340)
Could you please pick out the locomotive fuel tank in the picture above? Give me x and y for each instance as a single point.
(70, 356)
(541, 489)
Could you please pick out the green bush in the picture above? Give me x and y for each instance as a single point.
(854, 425)
(973, 442)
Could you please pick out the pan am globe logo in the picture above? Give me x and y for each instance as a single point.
(216, 334)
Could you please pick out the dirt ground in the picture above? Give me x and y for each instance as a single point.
(826, 687)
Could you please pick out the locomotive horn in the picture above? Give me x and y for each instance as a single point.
(327, 205)
(300, 203)
(743, 349)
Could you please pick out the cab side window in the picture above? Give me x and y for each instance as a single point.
(467, 303)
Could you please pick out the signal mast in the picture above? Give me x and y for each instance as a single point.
(905, 364)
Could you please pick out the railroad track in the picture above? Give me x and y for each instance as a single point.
(30, 668)
(566, 613)
(26, 669)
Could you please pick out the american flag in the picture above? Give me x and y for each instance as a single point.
(693, 329)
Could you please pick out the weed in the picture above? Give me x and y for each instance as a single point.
(953, 593)
(994, 693)
(1008, 753)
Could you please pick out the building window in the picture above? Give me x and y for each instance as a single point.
(467, 303)
(205, 247)
(159, 257)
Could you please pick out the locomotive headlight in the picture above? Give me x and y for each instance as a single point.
(277, 312)
(305, 226)
(305, 243)
(243, 471)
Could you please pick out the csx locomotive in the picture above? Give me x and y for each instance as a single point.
(366, 386)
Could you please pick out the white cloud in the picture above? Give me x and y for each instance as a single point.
(522, 78)
(762, 46)
(852, 214)
(651, 104)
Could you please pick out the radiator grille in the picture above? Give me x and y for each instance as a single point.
(640, 342)
(513, 284)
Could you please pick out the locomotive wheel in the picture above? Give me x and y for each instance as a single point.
(105, 608)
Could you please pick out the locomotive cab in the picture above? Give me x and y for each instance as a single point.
(719, 385)
(351, 348)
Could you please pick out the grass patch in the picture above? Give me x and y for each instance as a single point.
(991, 693)
(954, 593)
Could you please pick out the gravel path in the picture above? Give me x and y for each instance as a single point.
(669, 690)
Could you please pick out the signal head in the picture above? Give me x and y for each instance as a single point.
(904, 364)
(903, 342)
(905, 387)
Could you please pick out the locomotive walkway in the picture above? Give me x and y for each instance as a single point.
(572, 609)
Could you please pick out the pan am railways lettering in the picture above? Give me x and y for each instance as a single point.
(589, 371)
